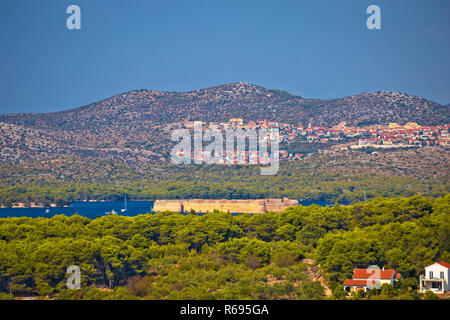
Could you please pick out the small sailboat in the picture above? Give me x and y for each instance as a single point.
(110, 212)
(125, 205)
(47, 211)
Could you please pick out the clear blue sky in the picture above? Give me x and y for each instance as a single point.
(313, 48)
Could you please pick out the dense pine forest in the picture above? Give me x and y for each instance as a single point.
(322, 178)
(300, 253)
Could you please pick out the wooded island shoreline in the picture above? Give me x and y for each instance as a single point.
(186, 205)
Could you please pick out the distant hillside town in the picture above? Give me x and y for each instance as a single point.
(341, 136)
(135, 126)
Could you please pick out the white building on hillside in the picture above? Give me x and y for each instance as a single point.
(364, 279)
(435, 278)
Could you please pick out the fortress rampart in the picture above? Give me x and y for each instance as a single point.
(232, 206)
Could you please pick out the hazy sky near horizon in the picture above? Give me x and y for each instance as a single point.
(313, 48)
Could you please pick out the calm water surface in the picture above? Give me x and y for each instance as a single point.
(88, 209)
(96, 209)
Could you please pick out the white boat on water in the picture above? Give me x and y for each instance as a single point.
(47, 210)
(125, 205)
(110, 212)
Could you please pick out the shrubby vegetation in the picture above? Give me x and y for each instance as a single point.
(221, 256)
(344, 176)
(206, 182)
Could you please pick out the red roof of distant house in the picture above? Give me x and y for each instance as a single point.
(372, 273)
(361, 283)
(397, 276)
(445, 264)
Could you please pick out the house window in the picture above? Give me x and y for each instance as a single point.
(442, 274)
(431, 274)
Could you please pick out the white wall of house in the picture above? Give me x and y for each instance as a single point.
(437, 271)
(381, 281)
(388, 281)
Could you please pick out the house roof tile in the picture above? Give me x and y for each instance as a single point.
(372, 273)
(445, 264)
(359, 283)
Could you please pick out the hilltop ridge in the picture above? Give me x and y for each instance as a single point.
(241, 99)
(132, 126)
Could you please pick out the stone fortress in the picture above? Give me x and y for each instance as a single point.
(232, 206)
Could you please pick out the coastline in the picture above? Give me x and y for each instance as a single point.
(22, 205)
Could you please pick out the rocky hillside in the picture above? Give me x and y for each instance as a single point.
(244, 100)
(133, 126)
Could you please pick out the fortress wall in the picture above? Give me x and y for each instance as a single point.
(232, 206)
(167, 205)
(277, 205)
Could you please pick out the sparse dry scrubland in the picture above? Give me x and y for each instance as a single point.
(333, 176)
(132, 126)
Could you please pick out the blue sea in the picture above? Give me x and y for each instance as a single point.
(94, 210)
(87, 209)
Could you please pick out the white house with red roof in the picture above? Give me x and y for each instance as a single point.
(435, 278)
(372, 277)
